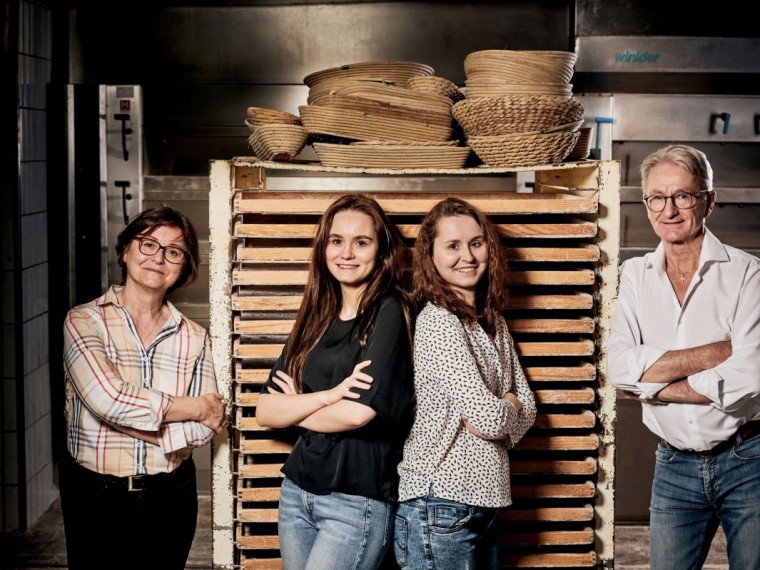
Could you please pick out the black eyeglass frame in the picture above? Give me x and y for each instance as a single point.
(141, 240)
(672, 198)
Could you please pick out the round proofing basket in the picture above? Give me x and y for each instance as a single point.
(523, 150)
(503, 89)
(491, 116)
(522, 65)
(257, 116)
(397, 72)
(278, 142)
(582, 148)
(437, 85)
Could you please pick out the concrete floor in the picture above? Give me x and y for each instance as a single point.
(43, 546)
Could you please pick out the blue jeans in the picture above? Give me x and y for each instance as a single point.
(433, 533)
(691, 496)
(336, 531)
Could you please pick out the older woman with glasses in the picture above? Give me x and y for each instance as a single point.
(140, 395)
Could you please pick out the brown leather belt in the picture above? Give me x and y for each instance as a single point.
(745, 432)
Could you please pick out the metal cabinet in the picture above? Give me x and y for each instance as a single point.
(562, 244)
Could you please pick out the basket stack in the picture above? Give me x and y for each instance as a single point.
(275, 135)
(494, 72)
(368, 115)
(518, 109)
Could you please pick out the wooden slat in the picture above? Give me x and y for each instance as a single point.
(583, 372)
(248, 424)
(577, 253)
(577, 229)
(585, 419)
(261, 563)
(552, 467)
(266, 302)
(582, 396)
(257, 515)
(577, 348)
(576, 301)
(581, 253)
(251, 376)
(265, 446)
(583, 325)
(274, 254)
(262, 471)
(259, 542)
(548, 538)
(275, 326)
(293, 277)
(259, 494)
(246, 399)
(548, 514)
(546, 560)
(316, 203)
(559, 443)
(553, 491)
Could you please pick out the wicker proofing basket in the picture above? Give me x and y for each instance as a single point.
(257, 116)
(437, 85)
(523, 150)
(278, 142)
(582, 148)
(491, 116)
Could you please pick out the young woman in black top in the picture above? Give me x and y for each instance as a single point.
(345, 379)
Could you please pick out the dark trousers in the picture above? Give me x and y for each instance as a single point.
(107, 525)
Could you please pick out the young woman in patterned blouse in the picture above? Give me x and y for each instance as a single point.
(344, 381)
(473, 401)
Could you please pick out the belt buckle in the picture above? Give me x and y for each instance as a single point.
(131, 483)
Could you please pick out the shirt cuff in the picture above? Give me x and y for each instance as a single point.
(171, 438)
(649, 389)
(707, 383)
(159, 405)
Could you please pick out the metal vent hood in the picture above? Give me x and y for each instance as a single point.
(665, 37)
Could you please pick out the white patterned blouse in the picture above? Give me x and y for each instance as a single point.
(460, 372)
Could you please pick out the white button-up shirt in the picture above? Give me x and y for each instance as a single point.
(722, 303)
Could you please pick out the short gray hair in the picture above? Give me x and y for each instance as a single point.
(687, 157)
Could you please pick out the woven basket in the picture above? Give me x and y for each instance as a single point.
(386, 110)
(582, 148)
(523, 150)
(437, 85)
(523, 66)
(391, 156)
(278, 142)
(397, 72)
(490, 116)
(358, 125)
(503, 89)
(257, 116)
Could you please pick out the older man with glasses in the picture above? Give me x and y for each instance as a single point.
(685, 340)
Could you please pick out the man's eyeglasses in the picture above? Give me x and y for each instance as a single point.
(172, 254)
(682, 200)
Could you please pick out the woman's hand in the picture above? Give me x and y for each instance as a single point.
(285, 382)
(514, 400)
(357, 380)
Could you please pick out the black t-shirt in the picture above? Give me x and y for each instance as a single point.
(361, 461)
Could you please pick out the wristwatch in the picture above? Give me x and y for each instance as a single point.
(655, 400)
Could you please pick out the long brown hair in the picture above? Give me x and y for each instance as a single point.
(322, 299)
(491, 291)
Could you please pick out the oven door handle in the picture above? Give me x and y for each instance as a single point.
(725, 117)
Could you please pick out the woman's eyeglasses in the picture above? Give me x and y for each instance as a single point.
(172, 254)
(682, 200)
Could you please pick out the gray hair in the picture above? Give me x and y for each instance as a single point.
(687, 157)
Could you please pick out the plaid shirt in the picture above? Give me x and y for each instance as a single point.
(111, 379)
